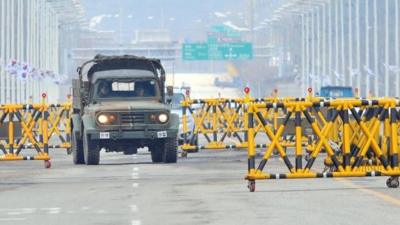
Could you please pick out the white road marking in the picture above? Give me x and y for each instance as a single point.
(29, 210)
(84, 208)
(134, 208)
(135, 185)
(54, 212)
(49, 209)
(12, 219)
(101, 211)
(135, 176)
(136, 222)
(135, 169)
(14, 213)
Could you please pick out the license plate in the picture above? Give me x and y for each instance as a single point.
(162, 134)
(104, 135)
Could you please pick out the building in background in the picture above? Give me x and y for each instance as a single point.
(34, 38)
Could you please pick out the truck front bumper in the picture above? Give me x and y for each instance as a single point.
(129, 134)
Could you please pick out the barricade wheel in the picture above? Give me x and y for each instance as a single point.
(392, 182)
(252, 185)
(184, 154)
(47, 164)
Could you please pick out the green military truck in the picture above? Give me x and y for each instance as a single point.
(120, 104)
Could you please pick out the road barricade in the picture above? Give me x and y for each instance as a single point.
(356, 137)
(34, 126)
(222, 124)
(215, 120)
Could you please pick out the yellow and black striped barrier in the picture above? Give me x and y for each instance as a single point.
(221, 123)
(34, 126)
(357, 137)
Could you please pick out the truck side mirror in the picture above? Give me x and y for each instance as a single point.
(170, 93)
(85, 92)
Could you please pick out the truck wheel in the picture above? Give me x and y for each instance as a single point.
(170, 150)
(77, 150)
(91, 151)
(156, 150)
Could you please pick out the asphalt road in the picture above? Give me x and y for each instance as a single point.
(205, 188)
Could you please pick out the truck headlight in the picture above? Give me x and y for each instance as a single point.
(102, 118)
(106, 118)
(163, 117)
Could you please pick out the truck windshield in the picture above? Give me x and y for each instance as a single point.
(107, 89)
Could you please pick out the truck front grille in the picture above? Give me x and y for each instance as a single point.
(132, 118)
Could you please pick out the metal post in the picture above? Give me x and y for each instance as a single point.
(307, 58)
(2, 49)
(303, 54)
(358, 45)
(336, 40)
(330, 44)
(396, 47)
(376, 52)
(350, 21)
(12, 49)
(367, 46)
(318, 52)
(387, 61)
(324, 55)
(312, 49)
(18, 49)
(342, 43)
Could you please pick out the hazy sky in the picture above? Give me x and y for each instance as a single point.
(186, 19)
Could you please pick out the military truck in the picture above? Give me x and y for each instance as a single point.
(120, 104)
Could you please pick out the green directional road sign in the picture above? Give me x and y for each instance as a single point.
(195, 51)
(217, 51)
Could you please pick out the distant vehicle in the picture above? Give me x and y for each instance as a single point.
(336, 92)
(121, 107)
(236, 82)
(176, 100)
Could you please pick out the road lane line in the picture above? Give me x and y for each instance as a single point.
(135, 176)
(134, 208)
(101, 211)
(384, 197)
(136, 222)
(14, 213)
(12, 219)
(84, 208)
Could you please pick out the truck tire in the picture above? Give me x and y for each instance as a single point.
(91, 150)
(77, 150)
(170, 150)
(156, 150)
